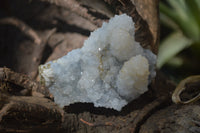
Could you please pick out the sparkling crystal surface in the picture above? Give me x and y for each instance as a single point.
(110, 70)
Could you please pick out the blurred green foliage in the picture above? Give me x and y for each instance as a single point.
(183, 18)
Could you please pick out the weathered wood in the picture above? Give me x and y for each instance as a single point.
(30, 114)
(28, 86)
(21, 111)
(148, 10)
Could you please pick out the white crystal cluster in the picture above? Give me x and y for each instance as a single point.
(110, 70)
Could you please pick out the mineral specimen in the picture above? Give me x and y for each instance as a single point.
(110, 70)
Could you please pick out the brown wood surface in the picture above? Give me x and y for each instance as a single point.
(62, 25)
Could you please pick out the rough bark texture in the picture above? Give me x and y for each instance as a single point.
(62, 25)
(174, 119)
(30, 114)
(148, 10)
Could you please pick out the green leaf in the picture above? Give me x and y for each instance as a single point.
(168, 11)
(186, 14)
(175, 62)
(179, 7)
(168, 22)
(171, 46)
(194, 10)
(198, 3)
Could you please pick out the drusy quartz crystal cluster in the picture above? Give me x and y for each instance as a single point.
(110, 70)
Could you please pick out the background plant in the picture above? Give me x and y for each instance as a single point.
(180, 47)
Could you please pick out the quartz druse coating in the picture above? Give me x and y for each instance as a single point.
(110, 70)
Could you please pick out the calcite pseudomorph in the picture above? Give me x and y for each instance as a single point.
(110, 70)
